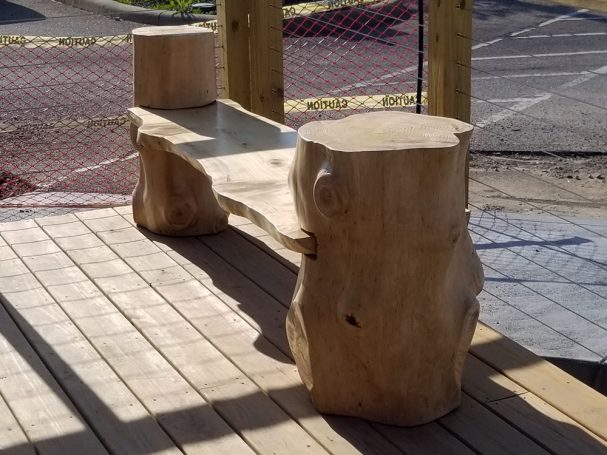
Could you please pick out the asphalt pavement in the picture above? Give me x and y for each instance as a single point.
(51, 18)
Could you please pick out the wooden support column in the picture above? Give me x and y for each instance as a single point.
(449, 58)
(449, 62)
(235, 71)
(265, 45)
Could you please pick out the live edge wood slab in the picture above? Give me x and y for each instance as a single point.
(385, 306)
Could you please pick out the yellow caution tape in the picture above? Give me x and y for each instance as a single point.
(104, 122)
(339, 103)
(306, 9)
(63, 41)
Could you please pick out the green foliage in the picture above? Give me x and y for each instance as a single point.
(181, 6)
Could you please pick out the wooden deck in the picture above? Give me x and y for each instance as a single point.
(114, 340)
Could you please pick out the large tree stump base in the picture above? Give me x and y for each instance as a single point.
(383, 315)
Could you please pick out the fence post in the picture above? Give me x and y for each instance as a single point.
(235, 72)
(265, 47)
(449, 58)
(449, 62)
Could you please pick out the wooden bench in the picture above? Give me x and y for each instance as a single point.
(385, 304)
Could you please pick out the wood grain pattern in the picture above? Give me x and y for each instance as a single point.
(573, 398)
(222, 291)
(245, 157)
(383, 315)
(49, 419)
(235, 68)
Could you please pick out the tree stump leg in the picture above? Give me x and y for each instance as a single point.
(172, 197)
(382, 317)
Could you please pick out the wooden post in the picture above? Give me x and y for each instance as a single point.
(383, 315)
(235, 70)
(265, 45)
(449, 63)
(449, 58)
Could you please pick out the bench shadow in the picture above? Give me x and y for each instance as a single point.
(475, 427)
(240, 275)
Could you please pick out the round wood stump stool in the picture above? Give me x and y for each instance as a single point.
(383, 316)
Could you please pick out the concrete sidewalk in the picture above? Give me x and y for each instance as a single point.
(546, 282)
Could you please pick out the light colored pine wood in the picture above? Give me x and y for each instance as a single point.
(235, 67)
(263, 424)
(265, 47)
(46, 414)
(245, 157)
(246, 343)
(433, 438)
(574, 399)
(12, 438)
(389, 300)
(171, 67)
(548, 426)
(449, 58)
(525, 411)
(430, 439)
(486, 433)
(116, 412)
(484, 384)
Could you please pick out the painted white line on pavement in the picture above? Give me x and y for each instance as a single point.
(561, 35)
(554, 54)
(520, 32)
(86, 169)
(523, 104)
(563, 17)
(530, 29)
(591, 18)
(488, 43)
(522, 76)
(374, 80)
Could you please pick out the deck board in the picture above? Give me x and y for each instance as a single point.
(117, 415)
(13, 440)
(191, 333)
(199, 363)
(45, 413)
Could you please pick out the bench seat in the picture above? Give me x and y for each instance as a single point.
(246, 156)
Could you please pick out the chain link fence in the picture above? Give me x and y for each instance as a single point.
(64, 139)
(343, 56)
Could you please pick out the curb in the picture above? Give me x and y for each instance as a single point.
(114, 9)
